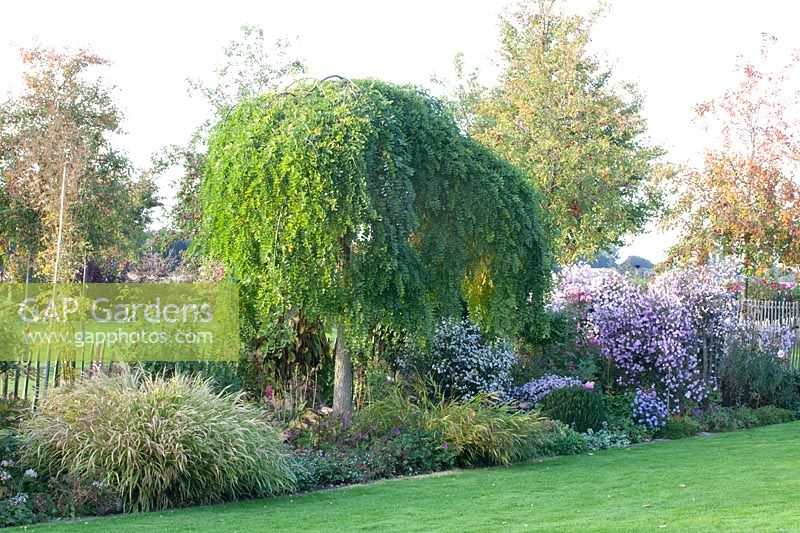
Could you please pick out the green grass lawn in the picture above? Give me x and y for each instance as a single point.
(748, 480)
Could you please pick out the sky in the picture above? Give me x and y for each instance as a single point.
(679, 53)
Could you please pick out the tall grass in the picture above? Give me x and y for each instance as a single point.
(481, 430)
(158, 441)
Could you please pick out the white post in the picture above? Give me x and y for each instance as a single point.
(60, 225)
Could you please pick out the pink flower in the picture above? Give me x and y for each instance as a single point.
(269, 392)
(589, 385)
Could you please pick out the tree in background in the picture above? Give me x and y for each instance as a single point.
(252, 67)
(745, 201)
(363, 204)
(556, 114)
(55, 151)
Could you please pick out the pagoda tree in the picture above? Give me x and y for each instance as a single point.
(362, 204)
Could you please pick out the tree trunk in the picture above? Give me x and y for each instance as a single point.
(342, 376)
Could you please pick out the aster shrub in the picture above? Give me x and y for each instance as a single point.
(649, 410)
(465, 365)
(669, 332)
(535, 390)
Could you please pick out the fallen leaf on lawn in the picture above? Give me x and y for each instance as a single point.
(662, 526)
(647, 505)
(683, 486)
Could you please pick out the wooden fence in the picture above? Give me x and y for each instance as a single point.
(770, 317)
(29, 377)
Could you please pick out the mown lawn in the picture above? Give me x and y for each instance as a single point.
(748, 480)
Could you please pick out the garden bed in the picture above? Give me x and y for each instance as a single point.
(732, 481)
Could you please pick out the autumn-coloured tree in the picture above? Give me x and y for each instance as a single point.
(55, 152)
(556, 114)
(745, 200)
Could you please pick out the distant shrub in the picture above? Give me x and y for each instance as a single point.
(318, 469)
(565, 350)
(751, 373)
(678, 427)
(27, 496)
(788, 396)
(769, 414)
(619, 408)
(158, 442)
(723, 419)
(416, 451)
(340, 455)
(12, 412)
(576, 406)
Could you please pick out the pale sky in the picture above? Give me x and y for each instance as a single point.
(678, 52)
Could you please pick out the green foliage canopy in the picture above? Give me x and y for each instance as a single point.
(557, 114)
(362, 202)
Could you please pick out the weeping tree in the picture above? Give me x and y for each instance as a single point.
(362, 203)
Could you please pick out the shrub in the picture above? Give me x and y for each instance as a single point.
(619, 409)
(654, 332)
(679, 427)
(27, 497)
(464, 365)
(315, 469)
(12, 412)
(560, 439)
(750, 374)
(158, 442)
(478, 431)
(343, 456)
(563, 350)
(534, 391)
(723, 419)
(649, 410)
(769, 414)
(605, 438)
(576, 406)
(788, 396)
(416, 451)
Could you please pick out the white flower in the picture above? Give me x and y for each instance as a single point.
(781, 354)
(19, 499)
(4, 476)
(31, 473)
(5, 463)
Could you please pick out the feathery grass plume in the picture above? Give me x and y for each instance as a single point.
(158, 441)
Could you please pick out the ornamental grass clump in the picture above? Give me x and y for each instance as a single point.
(479, 431)
(159, 442)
